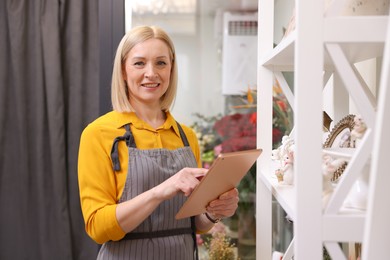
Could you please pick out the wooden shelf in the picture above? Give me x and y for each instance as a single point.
(282, 56)
(344, 153)
(355, 35)
(346, 226)
(284, 194)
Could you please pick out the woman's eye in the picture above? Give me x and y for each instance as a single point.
(139, 63)
(161, 63)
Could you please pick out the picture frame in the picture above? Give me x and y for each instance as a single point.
(339, 137)
(339, 132)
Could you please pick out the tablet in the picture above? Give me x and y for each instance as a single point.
(224, 174)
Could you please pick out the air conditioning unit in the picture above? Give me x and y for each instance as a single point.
(239, 53)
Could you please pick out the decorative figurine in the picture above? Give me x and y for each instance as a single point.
(358, 130)
(288, 167)
(329, 167)
(285, 155)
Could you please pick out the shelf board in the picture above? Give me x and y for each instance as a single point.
(284, 194)
(361, 38)
(346, 226)
(354, 29)
(344, 153)
(357, 52)
(347, 217)
(282, 56)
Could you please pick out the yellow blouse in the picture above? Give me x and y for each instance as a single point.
(100, 187)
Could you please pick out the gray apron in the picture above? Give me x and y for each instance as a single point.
(159, 236)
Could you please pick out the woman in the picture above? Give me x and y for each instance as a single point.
(137, 164)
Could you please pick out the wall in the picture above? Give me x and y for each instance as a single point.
(199, 89)
(283, 13)
(199, 73)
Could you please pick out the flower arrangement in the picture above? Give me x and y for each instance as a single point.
(237, 132)
(216, 244)
(207, 137)
(220, 248)
(219, 245)
(282, 120)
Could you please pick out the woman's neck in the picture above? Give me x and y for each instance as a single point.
(151, 114)
(155, 118)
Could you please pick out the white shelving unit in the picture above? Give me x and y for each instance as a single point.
(377, 225)
(321, 45)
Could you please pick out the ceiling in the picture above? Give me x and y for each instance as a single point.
(179, 16)
(209, 7)
(200, 7)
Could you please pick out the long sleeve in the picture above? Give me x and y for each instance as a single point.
(98, 188)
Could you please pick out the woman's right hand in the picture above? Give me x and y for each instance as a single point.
(183, 181)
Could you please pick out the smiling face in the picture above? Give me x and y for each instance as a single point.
(147, 71)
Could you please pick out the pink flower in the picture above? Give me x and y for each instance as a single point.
(199, 239)
(218, 149)
(206, 165)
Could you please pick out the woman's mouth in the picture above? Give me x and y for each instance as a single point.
(150, 85)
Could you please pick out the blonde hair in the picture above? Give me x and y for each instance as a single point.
(119, 92)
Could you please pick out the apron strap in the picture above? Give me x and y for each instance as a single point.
(166, 233)
(193, 228)
(183, 135)
(160, 233)
(129, 138)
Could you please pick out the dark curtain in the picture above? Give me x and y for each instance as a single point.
(48, 93)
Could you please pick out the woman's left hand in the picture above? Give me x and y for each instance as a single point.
(225, 205)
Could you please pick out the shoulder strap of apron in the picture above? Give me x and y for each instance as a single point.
(182, 135)
(130, 142)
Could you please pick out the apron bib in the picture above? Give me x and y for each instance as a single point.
(160, 235)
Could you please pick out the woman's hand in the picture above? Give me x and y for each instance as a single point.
(225, 206)
(183, 181)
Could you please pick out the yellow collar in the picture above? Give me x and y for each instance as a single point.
(122, 119)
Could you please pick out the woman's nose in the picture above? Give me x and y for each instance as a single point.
(150, 72)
